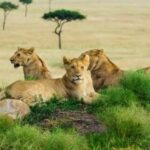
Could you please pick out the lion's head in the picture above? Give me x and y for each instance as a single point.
(76, 68)
(97, 58)
(22, 57)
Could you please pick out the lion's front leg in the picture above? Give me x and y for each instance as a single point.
(91, 97)
(27, 100)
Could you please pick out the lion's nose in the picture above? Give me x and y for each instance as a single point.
(11, 59)
(78, 75)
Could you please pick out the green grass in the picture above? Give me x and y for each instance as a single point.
(25, 137)
(5, 123)
(47, 109)
(139, 83)
(131, 125)
(124, 109)
(113, 96)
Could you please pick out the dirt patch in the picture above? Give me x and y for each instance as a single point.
(83, 122)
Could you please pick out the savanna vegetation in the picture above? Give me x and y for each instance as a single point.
(124, 109)
(122, 29)
(7, 7)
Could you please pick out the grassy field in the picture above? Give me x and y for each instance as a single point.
(119, 27)
(125, 110)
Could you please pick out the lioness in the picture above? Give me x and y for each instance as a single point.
(33, 65)
(75, 83)
(103, 71)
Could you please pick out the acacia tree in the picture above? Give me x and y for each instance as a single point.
(7, 7)
(50, 4)
(60, 17)
(26, 3)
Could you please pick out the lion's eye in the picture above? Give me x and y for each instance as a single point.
(72, 67)
(82, 67)
(18, 55)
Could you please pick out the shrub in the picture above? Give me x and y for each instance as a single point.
(32, 138)
(5, 124)
(132, 123)
(139, 83)
(113, 96)
(127, 127)
(47, 109)
(66, 141)
(24, 138)
(109, 141)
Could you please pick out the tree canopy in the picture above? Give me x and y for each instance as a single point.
(60, 17)
(26, 1)
(63, 14)
(8, 6)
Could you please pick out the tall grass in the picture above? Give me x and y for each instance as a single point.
(120, 108)
(113, 96)
(27, 137)
(47, 109)
(139, 83)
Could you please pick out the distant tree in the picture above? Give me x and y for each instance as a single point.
(26, 3)
(60, 17)
(50, 5)
(7, 7)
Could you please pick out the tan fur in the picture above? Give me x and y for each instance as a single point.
(103, 71)
(145, 70)
(33, 65)
(75, 83)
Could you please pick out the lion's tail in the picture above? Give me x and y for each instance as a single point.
(145, 70)
(2, 94)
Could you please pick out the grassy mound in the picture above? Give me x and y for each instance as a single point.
(113, 96)
(124, 109)
(139, 83)
(47, 109)
(32, 138)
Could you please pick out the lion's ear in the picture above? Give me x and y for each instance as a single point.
(102, 51)
(19, 48)
(85, 59)
(31, 50)
(66, 60)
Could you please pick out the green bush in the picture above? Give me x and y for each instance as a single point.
(24, 138)
(47, 109)
(132, 123)
(60, 140)
(5, 124)
(127, 127)
(32, 138)
(113, 96)
(139, 83)
(109, 141)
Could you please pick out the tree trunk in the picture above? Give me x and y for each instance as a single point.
(59, 40)
(50, 1)
(26, 10)
(4, 21)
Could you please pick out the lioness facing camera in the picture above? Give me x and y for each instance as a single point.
(76, 83)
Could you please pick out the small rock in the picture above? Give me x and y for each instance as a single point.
(14, 108)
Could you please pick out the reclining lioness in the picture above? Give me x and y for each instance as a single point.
(75, 83)
(104, 72)
(33, 65)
